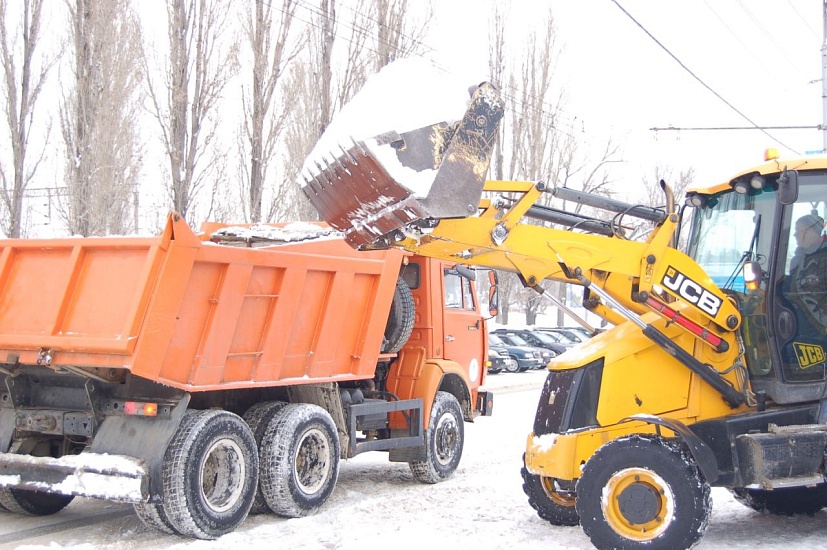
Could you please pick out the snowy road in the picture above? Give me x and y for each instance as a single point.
(377, 502)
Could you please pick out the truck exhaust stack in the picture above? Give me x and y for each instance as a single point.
(382, 183)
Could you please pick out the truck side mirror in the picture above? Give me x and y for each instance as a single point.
(493, 296)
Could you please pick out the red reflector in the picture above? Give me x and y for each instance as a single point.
(140, 409)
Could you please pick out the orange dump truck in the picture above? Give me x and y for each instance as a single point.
(205, 376)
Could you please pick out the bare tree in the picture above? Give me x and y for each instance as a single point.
(23, 82)
(99, 118)
(343, 44)
(537, 143)
(398, 35)
(185, 106)
(267, 100)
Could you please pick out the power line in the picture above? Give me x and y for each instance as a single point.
(704, 84)
(690, 128)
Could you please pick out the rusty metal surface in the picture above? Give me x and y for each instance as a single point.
(355, 193)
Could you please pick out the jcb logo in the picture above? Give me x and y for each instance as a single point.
(808, 354)
(691, 291)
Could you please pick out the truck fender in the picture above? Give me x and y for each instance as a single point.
(415, 376)
(703, 455)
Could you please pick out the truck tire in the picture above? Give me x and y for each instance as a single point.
(258, 417)
(444, 440)
(33, 503)
(299, 460)
(643, 491)
(791, 501)
(551, 504)
(155, 517)
(210, 474)
(400, 319)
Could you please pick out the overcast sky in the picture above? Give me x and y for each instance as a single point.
(762, 57)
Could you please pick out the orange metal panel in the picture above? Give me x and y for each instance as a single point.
(196, 315)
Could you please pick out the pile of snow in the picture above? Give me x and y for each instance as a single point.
(405, 95)
(292, 232)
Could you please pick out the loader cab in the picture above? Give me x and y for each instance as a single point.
(772, 221)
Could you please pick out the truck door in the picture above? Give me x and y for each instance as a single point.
(464, 328)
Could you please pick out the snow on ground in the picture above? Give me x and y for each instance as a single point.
(378, 504)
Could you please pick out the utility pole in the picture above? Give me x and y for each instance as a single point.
(824, 80)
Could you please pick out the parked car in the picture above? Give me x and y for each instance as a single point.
(499, 360)
(575, 334)
(535, 338)
(525, 357)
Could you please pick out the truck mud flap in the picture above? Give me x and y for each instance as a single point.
(110, 477)
(384, 183)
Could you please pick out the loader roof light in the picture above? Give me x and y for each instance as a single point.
(694, 199)
(771, 154)
(757, 182)
(741, 187)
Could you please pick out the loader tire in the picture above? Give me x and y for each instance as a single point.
(444, 441)
(33, 503)
(299, 460)
(400, 319)
(551, 503)
(258, 417)
(792, 501)
(643, 492)
(210, 474)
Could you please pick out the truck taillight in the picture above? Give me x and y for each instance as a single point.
(139, 408)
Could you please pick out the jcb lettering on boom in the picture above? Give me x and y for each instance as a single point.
(691, 291)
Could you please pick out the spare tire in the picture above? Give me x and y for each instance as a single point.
(400, 319)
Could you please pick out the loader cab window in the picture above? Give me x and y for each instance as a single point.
(728, 230)
(458, 291)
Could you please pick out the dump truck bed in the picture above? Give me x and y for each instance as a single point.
(192, 314)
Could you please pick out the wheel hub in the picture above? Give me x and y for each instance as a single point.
(447, 437)
(639, 503)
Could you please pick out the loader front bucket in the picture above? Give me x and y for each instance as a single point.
(380, 184)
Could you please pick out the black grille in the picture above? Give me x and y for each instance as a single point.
(569, 400)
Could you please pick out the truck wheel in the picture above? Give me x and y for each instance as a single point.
(299, 460)
(33, 503)
(400, 319)
(552, 504)
(210, 474)
(642, 492)
(258, 417)
(155, 517)
(790, 501)
(444, 440)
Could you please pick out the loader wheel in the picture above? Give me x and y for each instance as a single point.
(258, 417)
(400, 319)
(791, 501)
(33, 503)
(210, 474)
(299, 460)
(546, 497)
(640, 492)
(444, 441)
